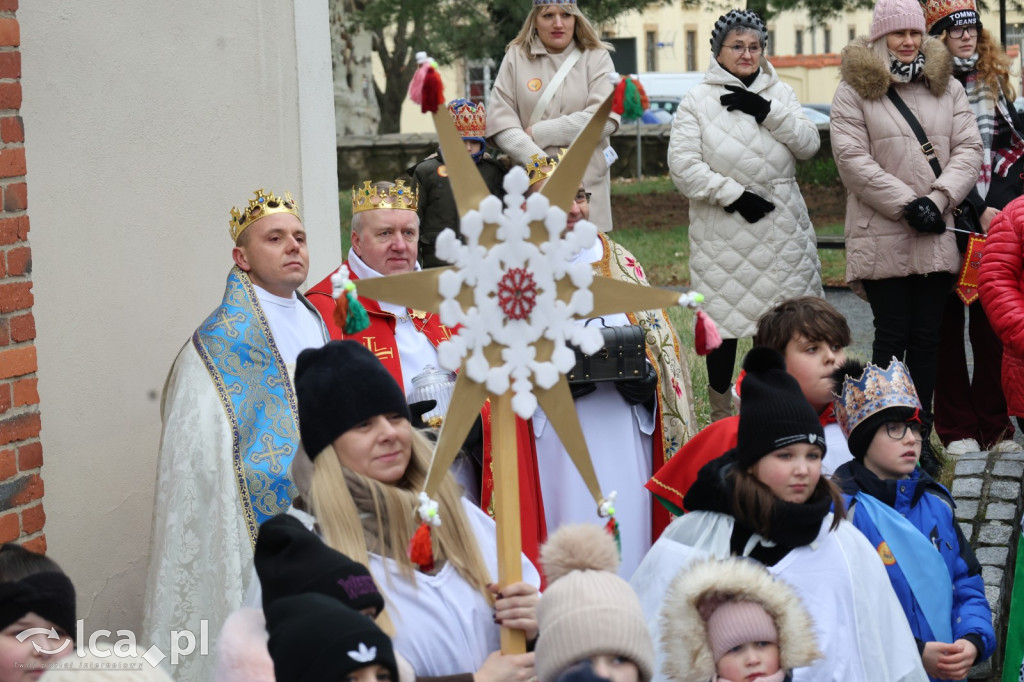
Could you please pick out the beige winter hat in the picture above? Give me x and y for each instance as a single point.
(587, 609)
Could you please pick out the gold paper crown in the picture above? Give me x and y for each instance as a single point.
(470, 118)
(542, 167)
(398, 196)
(260, 207)
(875, 390)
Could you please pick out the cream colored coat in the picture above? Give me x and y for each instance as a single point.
(520, 82)
(714, 155)
(883, 168)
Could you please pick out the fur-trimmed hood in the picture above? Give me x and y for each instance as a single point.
(871, 78)
(684, 637)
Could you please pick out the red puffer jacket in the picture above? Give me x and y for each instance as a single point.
(1002, 295)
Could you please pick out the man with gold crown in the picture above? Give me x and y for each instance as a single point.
(437, 208)
(230, 431)
(633, 425)
(385, 239)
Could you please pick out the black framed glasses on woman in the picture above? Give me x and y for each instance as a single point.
(961, 31)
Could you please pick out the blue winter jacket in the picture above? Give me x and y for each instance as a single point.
(929, 506)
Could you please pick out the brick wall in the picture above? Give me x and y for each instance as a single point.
(21, 454)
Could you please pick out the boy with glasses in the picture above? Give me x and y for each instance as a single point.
(908, 517)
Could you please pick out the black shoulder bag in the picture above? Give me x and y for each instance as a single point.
(966, 216)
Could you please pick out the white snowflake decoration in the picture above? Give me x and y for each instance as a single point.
(514, 294)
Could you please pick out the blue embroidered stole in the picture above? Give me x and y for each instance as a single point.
(252, 382)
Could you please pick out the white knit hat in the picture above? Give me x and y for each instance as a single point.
(587, 609)
(896, 15)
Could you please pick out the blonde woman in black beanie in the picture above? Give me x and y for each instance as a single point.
(358, 473)
(766, 500)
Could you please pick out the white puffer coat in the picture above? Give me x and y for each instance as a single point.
(744, 269)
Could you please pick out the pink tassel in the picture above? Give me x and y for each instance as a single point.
(416, 84)
(705, 337)
(426, 88)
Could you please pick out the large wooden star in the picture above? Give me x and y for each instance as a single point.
(420, 291)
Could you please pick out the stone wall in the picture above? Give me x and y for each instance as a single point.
(388, 156)
(987, 489)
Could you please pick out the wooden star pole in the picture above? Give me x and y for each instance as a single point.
(419, 290)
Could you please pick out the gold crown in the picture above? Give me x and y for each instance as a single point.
(399, 196)
(262, 206)
(541, 167)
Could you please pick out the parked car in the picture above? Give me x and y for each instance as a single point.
(823, 108)
(668, 104)
(815, 115)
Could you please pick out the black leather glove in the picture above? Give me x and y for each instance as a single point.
(582, 388)
(639, 391)
(746, 101)
(751, 207)
(418, 409)
(924, 216)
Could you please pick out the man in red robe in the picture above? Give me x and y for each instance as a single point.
(385, 239)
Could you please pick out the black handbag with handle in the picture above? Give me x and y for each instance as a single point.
(967, 215)
(623, 357)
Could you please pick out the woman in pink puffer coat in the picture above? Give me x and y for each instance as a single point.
(899, 254)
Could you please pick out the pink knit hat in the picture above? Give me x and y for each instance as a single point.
(896, 15)
(738, 622)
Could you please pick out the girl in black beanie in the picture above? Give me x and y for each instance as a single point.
(766, 500)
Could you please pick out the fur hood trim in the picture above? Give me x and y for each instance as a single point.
(242, 654)
(869, 76)
(684, 637)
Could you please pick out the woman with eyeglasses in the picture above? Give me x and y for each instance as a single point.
(899, 254)
(553, 78)
(971, 413)
(900, 508)
(732, 152)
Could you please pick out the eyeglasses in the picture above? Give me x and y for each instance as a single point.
(898, 430)
(582, 197)
(738, 50)
(961, 31)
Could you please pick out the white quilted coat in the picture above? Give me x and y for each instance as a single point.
(744, 269)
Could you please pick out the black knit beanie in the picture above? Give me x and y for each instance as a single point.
(290, 559)
(737, 18)
(774, 412)
(338, 386)
(49, 595)
(315, 638)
